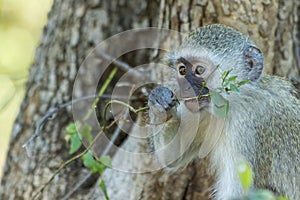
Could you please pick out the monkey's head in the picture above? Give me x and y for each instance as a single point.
(208, 48)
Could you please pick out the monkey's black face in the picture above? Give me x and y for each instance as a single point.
(191, 79)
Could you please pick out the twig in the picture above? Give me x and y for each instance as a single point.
(195, 97)
(52, 111)
(122, 65)
(213, 71)
(38, 128)
(122, 103)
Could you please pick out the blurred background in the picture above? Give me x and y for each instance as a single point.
(21, 24)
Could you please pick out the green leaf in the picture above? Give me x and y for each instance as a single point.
(245, 174)
(103, 188)
(243, 82)
(225, 83)
(106, 160)
(221, 105)
(223, 110)
(71, 129)
(262, 195)
(226, 108)
(282, 198)
(89, 162)
(75, 143)
(92, 164)
(225, 74)
(229, 80)
(232, 78)
(100, 167)
(86, 133)
(217, 99)
(234, 88)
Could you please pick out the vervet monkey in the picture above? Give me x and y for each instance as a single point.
(262, 124)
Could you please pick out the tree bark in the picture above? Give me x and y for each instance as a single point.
(74, 28)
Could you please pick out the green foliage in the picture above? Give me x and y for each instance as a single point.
(221, 105)
(71, 129)
(282, 198)
(94, 165)
(246, 178)
(103, 188)
(245, 175)
(106, 160)
(75, 143)
(224, 76)
(73, 137)
(240, 83)
(229, 84)
(86, 133)
(260, 194)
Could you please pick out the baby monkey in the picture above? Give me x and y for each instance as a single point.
(262, 124)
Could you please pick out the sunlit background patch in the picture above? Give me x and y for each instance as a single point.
(21, 24)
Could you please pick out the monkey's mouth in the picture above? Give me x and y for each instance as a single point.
(195, 99)
(196, 105)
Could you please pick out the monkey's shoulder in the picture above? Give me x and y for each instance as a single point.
(281, 101)
(279, 86)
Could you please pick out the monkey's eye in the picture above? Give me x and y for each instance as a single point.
(182, 70)
(200, 69)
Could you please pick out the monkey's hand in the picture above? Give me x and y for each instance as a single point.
(162, 98)
(160, 101)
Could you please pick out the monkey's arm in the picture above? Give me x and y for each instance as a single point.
(164, 122)
(175, 136)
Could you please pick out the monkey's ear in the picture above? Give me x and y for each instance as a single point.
(254, 62)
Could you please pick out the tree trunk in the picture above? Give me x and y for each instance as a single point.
(74, 28)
